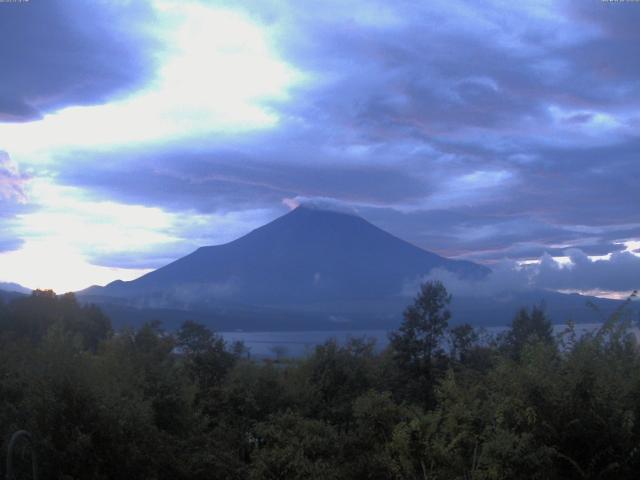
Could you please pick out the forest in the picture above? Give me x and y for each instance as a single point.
(442, 401)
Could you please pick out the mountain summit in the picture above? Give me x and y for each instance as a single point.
(308, 256)
(312, 269)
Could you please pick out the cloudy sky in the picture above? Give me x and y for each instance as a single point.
(132, 132)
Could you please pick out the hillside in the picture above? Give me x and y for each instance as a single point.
(308, 259)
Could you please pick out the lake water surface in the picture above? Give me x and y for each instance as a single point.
(300, 343)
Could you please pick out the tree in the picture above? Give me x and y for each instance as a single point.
(419, 339)
(336, 375)
(206, 357)
(293, 447)
(528, 328)
(462, 339)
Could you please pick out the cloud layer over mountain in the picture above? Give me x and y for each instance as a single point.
(477, 129)
(619, 273)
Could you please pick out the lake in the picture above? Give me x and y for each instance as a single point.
(300, 343)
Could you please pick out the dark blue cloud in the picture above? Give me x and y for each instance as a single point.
(620, 273)
(227, 181)
(181, 178)
(9, 243)
(473, 129)
(57, 53)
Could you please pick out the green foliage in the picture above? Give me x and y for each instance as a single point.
(296, 448)
(463, 340)
(528, 328)
(29, 318)
(206, 356)
(419, 340)
(150, 404)
(335, 375)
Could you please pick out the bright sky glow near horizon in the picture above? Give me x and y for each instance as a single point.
(132, 133)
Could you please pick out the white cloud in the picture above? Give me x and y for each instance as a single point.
(505, 277)
(69, 233)
(53, 264)
(614, 277)
(216, 71)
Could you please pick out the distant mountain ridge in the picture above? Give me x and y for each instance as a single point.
(14, 287)
(313, 269)
(306, 256)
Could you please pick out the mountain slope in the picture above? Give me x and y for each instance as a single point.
(307, 256)
(14, 287)
(314, 269)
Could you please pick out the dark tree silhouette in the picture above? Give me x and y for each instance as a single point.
(528, 328)
(418, 341)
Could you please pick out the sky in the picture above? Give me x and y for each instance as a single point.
(133, 132)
